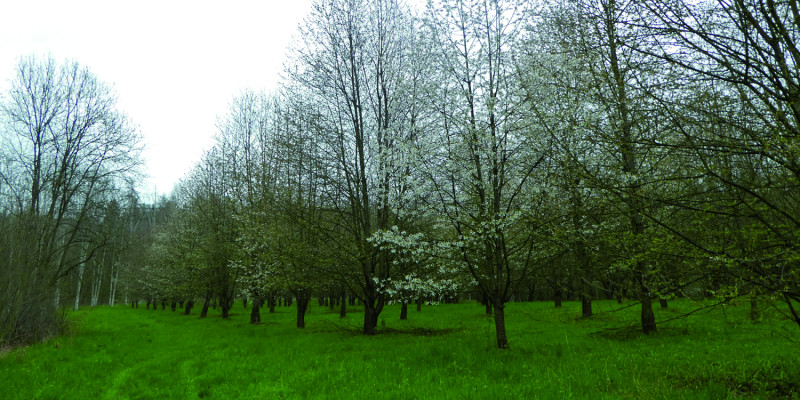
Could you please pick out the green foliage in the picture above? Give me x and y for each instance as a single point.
(446, 351)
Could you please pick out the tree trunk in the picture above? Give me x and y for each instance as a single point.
(755, 313)
(112, 288)
(558, 295)
(255, 313)
(204, 311)
(586, 306)
(78, 289)
(96, 283)
(500, 326)
(343, 306)
(188, 309)
(404, 311)
(244, 302)
(419, 304)
(664, 304)
(627, 143)
(302, 305)
(648, 318)
(173, 305)
(370, 320)
(271, 302)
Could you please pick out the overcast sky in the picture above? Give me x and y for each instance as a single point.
(175, 65)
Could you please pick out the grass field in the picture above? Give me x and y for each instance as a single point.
(444, 352)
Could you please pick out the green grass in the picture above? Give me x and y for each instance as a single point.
(443, 352)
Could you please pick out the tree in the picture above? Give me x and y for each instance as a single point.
(351, 67)
(484, 159)
(64, 143)
(611, 86)
(740, 119)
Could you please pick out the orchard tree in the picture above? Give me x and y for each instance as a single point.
(210, 214)
(351, 67)
(483, 160)
(609, 87)
(740, 118)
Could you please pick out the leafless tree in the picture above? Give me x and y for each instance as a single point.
(65, 144)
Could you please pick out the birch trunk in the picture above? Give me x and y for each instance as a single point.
(96, 283)
(78, 289)
(112, 284)
(58, 296)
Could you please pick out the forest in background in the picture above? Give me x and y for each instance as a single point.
(506, 150)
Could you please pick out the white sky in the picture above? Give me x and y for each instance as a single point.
(175, 64)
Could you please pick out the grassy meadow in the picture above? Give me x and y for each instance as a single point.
(443, 352)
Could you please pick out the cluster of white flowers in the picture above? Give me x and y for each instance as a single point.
(412, 287)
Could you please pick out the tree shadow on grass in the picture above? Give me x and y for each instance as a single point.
(624, 333)
(355, 330)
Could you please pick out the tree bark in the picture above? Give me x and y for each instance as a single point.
(648, 318)
(206, 303)
(663, 302)
(755, 313)
(255, 313)
(97, 282)
(188, 309)
(404, 311)
(343, 305)
(112, 289)
(500, 326)
(586, 306)
(558, 295)
(303, 299)
(78, 289)
(370, 321)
